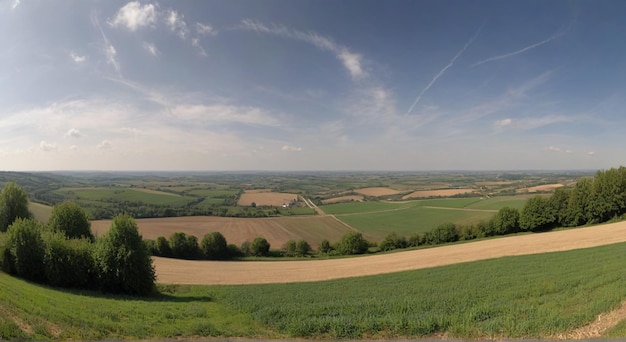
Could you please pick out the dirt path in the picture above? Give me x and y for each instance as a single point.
(597, 328)
(214, 272)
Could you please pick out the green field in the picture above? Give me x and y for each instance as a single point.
(545, 294)
(377, 219)
(117, 194)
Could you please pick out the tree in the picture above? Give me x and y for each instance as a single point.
(259, 247)
(324, 247)
(71, 220)
(13, 205)
(441, 234)
(290, 248)
(579, 204)
(214, 246)
(536, 215)
(184, 246)
(68, 263)
(393, 241)
(26, 250)
(352, 243)
(558, 204)
(506, 221)
(303, 248)
(123, 261)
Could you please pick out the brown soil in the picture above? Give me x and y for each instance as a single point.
(276, 230)
(275, 199)
(539, 188)
(376, 192)
(436, 193)
(213, 272)
(341, 199)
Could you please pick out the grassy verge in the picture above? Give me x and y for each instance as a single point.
(526, 296)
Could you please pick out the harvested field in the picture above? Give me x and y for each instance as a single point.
(494, 183)
(376, 192)
(155, 192)
(352, 198)
(541, 188)
(173, 271)
(437, 193)
(265, 198)
(277, 230)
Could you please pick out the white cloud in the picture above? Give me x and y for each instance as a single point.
(176, 23)
(224, 114)
(134, 16)
(503, 123)
(104, 145)
(553, 149)
(47, 147)
(15, 4)
(205, 30)
(132, 130)
(73, 133)
(517, 52)
(77, 58)
(109, 50)
(196, 43)
(150, 48)
(289, 148)
(351, 61)
(591, 154)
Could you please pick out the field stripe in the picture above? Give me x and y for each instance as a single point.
(175, 271)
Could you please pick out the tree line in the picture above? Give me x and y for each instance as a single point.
(65, 253)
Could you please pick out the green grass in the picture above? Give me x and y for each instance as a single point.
(530, 296)
(495, 203)
(40, 211)
(119, 194)
(362, 207)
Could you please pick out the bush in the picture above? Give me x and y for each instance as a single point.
(71, 220)
(441, 234)
(214, 246)
(163, 247)
(259, 247)
(352, 243)
(393, 241)
(184, 246)
(26, 249)
(13, 205)
(69, 263)
(123, 262)
(415, 240)
(324, 247)
(303, 248)
(290, 248)
(246, 248)
(233, 251)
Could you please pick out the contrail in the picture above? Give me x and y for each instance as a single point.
(443, 71)
(495, 58)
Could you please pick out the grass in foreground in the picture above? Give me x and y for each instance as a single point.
(526, 296)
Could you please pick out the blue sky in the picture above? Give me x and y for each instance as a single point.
(312, 85)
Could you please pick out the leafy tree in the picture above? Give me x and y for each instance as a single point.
(26, 249)
(13, 205)
(579, 204)
(290, 248)
(122, 260)
(393, 241)
(163, 247)
(608, 197)
(352, 243)
(68, 263)
(246, 248)
(506, 221)
(214, 246)
(259, 247)
(303, 248)
(536, 215)
(324, 247)
(184, 246)
(558, 203)
(441, 234)
(71, 220)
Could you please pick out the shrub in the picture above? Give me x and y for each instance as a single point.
(259, 247)
(26, 249)
(234, 251)
(290, 248)
(184, 246)
(393, 241)
(303, 248)
(163, 247)
(352, 243)
(214, 246)
(71, 220)
(13, 205)
(324, 247)
(246, 248)
(441, 234)
(68, 263)
(123, 262)
(415, 240)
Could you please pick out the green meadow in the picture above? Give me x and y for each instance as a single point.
(533, 296)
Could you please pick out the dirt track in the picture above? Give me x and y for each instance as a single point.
(213, 272)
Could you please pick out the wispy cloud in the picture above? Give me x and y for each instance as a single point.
(530, 123)
(224, 114)
(105, 145)
(205, 29)
(133, 16)
(176, 22)
(77, 58)
(517, 52)
(109, 50)
(15, 4)
(47, 147)
(151, 48)
(73, 133)
(443, 71)
(195, 42)
(350, 60)
(290, 148)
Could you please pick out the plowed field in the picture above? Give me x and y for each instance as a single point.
(212, 272)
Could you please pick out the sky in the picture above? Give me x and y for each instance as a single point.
(291, 85)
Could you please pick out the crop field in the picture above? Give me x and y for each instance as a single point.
(437, 193)
(131, 195)
(540, 188)
(548, 296)
(377, 192)
(41, 212)
(342, 199)
(265, 198)
(276, 230)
